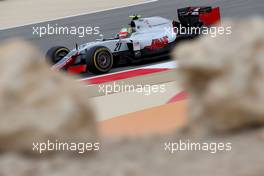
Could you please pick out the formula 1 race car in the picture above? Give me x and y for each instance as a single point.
(144, 38)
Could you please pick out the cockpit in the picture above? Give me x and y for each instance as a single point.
(144, 25)
(125, 32)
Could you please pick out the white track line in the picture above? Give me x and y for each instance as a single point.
(80, 14)
(169, 65)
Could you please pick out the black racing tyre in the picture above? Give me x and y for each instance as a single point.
(56, 53)
(99, 60)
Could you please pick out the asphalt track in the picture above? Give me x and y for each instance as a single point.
(111, 21)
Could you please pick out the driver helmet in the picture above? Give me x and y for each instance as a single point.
(125, 32)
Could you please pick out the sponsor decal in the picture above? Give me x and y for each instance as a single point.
(158, 43)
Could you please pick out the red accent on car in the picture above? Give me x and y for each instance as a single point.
(66, 64)
(158, 43)
(211, 18)
(123, 34)
(77, 69)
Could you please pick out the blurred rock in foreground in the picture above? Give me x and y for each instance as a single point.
(224, 77)
(37, 104)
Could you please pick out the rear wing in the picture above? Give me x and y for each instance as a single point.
(197, 16)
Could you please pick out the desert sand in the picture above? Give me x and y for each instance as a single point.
(122, 103)
(158, 120)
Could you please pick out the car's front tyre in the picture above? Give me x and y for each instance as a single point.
(56, 53)
(99, 60)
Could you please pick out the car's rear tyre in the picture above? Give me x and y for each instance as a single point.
(99, 60)
(56, 53)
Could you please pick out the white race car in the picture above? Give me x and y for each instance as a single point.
(144, 38)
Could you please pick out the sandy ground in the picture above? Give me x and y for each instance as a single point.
(20, 12)
(138, 114)
(123, 103)
(158, 120)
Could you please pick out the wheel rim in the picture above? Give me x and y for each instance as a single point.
(60, 55)
(103, 60)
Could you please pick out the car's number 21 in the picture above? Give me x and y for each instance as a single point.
(118, 46)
